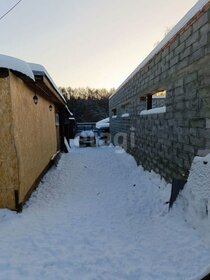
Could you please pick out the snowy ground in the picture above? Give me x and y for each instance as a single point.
(99, 216)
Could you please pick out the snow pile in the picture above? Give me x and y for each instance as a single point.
(103, 123)
(195, 9)
(196, 196)
(16, 64)
(100, 216)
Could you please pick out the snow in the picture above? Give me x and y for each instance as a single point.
(27, 69)
(67, 145)
(159, 110)
(196, 197)
(158, 97)
(100, 216)
(126, 115)
(104, 120)
(70, 113)
(114, 117)
(16, 64)
(103, 123)
(192, 12)
(87, 133)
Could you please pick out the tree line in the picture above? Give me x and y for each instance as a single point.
(88, 104)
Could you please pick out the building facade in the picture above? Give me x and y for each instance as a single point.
(161, 113)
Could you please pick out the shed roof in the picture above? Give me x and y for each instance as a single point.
(16, 64)
(30, 70)
(40, 70)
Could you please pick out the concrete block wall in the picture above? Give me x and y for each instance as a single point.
(168, 142)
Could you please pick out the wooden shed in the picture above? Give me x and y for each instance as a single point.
(32, 132)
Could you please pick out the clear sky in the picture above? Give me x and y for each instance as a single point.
(95, 43)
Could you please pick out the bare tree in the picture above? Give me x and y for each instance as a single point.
(88, 104)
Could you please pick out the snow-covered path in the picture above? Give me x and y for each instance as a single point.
(99, 216)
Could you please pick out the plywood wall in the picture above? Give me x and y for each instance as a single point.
(9, 181)
(34, 133)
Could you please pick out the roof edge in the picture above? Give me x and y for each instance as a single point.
(17, 65)
(198, 7)
(39, 69)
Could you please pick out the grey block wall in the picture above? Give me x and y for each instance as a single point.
(168, 142)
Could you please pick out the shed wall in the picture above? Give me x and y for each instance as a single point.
(34, 133)
(9, 181)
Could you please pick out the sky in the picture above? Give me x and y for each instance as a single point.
(81, 43)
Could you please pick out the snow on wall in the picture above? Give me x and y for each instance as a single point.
(159, 110)
(126, 115)
(16, 64)
(192, 12)
(196, 196)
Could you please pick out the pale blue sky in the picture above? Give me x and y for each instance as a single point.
(95, 43)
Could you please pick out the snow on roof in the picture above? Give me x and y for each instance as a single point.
(40, 69)
(103, 123)
(71, 114)
(28, 69)
(192, 12)
(16, 64)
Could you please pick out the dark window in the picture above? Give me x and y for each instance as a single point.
(114, 112)
(156, 100)
(149, 102)
(125, 108)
